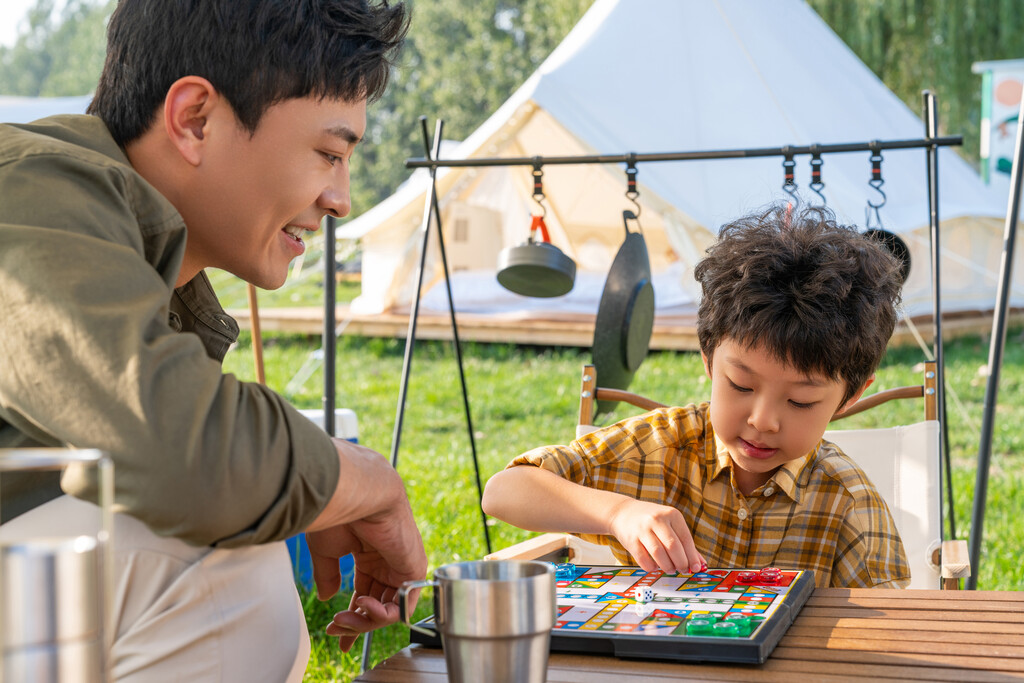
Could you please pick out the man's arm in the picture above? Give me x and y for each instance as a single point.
(368, 516)
(536, 499)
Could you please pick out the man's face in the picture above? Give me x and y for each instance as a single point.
(766, 412)
(259, 195)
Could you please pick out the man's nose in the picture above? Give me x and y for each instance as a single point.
(336, 199)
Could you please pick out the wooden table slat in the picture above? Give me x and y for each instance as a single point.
(929, 626)
(919, 604)
(931, 637)
(890, 594)
(959, 663)
(913, 614)
(838, 641)
(870, 672)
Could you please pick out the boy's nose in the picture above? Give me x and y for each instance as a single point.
(763, 418)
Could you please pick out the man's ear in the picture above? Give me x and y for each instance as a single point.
(856, 396)
(707, 364)
(187, 108)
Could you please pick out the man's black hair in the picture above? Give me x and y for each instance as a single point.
(255, 53)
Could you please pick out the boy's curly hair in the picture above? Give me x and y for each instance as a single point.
(814, 294)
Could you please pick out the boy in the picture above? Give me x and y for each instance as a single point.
(795, 317)
(220, 136)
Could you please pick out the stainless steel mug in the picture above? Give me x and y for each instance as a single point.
(52, 618)
(494, 619)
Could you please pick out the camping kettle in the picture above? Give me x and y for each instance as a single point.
(536, 268)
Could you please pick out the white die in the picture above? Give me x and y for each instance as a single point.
(644, 594)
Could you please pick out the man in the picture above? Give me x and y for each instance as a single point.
(220, 135)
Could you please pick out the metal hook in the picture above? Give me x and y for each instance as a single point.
(816, 184)
(538, 186)
(631, 191)
(789, 178)
(876, 183)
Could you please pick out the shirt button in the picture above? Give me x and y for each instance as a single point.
(769, 491)
(742, 514)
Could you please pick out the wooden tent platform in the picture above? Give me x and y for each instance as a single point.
(677, 332)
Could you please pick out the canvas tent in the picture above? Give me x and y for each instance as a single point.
(651, 76)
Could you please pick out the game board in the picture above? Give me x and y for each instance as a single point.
(727, 615)
(724, 615)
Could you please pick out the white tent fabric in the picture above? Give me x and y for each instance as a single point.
(671, 76)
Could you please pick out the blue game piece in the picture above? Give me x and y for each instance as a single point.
(565, 571)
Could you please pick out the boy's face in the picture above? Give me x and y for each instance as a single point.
(258, 196)
(766, 412)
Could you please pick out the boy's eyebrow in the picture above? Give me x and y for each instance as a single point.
(345, 133)
(740, 365)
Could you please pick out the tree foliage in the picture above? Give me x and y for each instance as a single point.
(462, 60)
(916, 45)
(57, 55)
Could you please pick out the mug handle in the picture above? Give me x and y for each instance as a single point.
(403, 604)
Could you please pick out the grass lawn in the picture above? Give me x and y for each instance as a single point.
(524, 396)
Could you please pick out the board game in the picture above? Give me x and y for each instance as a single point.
(722, 615)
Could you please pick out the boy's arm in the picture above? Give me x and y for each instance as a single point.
(533, 498)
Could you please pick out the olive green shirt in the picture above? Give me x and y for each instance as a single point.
(98, 350)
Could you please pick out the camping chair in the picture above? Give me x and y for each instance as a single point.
(902, 461)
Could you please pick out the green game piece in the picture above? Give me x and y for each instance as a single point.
(742, 622)
(699, 626)
(755, 621)
(729, 629)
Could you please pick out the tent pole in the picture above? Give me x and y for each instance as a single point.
(410, 340)
(995, 354)
(330, 332)
(457, 345)
(931, 123)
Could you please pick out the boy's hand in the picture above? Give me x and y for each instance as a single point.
(656, 536)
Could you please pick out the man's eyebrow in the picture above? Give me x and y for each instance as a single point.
(345, 133)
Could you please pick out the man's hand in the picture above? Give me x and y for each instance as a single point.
(656, 536)
(387, 550)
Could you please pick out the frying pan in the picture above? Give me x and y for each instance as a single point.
(625, 316)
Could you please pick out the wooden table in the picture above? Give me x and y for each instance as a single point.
(841, 634)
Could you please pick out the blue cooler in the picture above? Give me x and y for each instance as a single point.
(345, 427)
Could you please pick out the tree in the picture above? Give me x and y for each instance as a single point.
(462, 60)
(57, 57)
(915, 45)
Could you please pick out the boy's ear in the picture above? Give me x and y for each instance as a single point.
(707, 364)
(187, 108)
(856, 396)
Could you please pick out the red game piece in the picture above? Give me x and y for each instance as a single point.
(769, 575)
(746, 577)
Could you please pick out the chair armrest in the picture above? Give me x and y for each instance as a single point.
(557, 547)
(533, 548)
(956, 563)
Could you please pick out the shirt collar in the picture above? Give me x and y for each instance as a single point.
(785, 479)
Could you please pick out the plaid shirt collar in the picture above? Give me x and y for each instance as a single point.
(787, 479)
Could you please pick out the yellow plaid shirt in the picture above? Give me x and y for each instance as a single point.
(818, 512)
